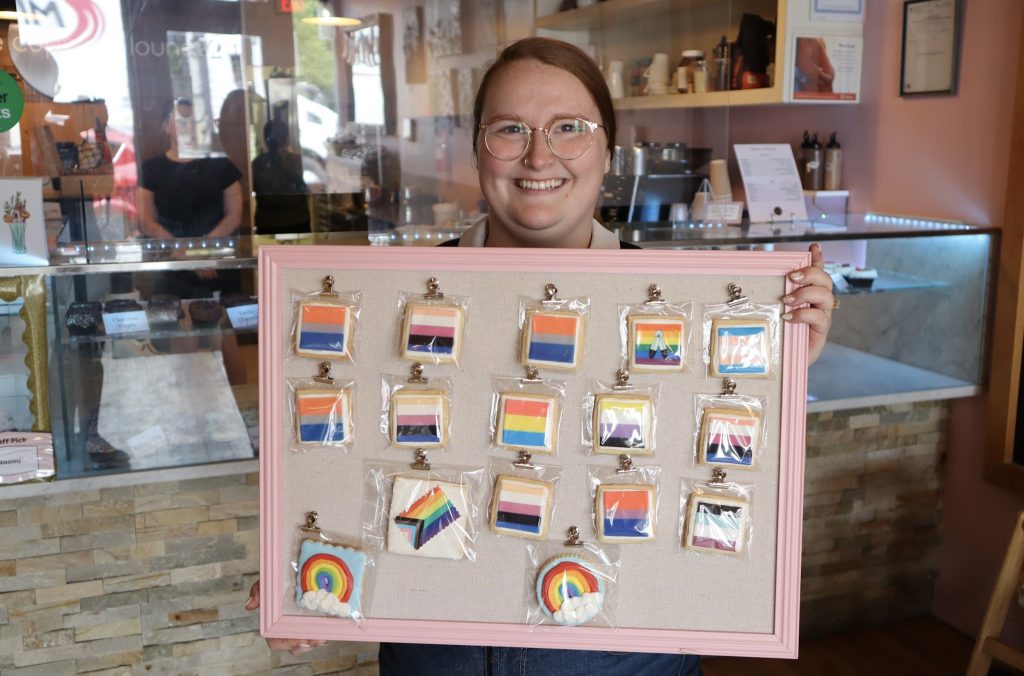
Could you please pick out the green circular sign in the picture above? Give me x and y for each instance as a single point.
(12, 101)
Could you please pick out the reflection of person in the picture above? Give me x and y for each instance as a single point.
(281, 202)
(546, 129)
(814, 71)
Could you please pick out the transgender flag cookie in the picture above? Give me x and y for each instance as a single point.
(740, 348)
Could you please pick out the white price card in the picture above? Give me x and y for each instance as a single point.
(772, 182)
(115, 323)
(244, 316)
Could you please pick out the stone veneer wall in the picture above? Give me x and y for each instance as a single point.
(151, 579)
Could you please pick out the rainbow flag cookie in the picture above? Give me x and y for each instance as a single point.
(323, 416)
(625, 513)
(432, 333)
(324, 330)
(552, 339)
(569, 591)
(527, 421)
(656, 343)
(419, 418)
(329, 578)
(623, 423)
(521, 507)
(740, 348)
(428, 518)
(716, 523)
(728, 437)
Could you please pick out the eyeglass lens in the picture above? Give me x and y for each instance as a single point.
(567, 138)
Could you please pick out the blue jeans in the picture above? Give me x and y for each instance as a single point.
(410, 659)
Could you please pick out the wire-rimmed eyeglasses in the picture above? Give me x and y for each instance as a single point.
(509, 139)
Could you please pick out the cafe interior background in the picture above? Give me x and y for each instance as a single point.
(141, 557)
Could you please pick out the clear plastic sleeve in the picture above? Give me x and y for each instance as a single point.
(26, 457)
(655, 336)
(433, 327)
(715, 518)
(552, 332)
(625, 502)
(571, 585)
(430, 513)
(729, 430)
(526, 414)
(324, 324)
(741, 340)
(416, 414)
(522, 498)
(620, 419)
(330, 575)
(322, 414)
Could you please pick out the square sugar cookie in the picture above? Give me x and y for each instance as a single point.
(330, 578)
(419, 418)
(323, 416)
(728, 437)
(625, 512)
(521, 507)
(623, 423)
(552, 339)
(432, 333)
(324, 330)
(527, 422)
(428, 518)
(716, 524)
(657, 344)
(740, 348)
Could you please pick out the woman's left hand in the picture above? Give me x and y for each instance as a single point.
(815, 292)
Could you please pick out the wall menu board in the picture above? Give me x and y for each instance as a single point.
(463, 557)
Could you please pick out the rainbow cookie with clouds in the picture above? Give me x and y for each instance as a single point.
(330, 579)
(569, 591)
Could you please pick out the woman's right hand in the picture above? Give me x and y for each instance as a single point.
(295, 646)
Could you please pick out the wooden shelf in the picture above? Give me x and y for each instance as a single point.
(612, 12)
(739, 97)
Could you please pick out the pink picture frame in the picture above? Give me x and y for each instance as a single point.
(707, 270)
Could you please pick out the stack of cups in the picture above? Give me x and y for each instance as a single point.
(616, 81)
(657, 75)
(721, 186)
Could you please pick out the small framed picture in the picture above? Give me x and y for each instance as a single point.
(716, 524)
(521, 507)
(323, 416)
(623, 423)
(527, 422)
(728, 437)
(432, 333)
(740, 348)
(625, 512)
(552, 339)
(428, 518)
(656, 343)
(419, 418)
(324, 330)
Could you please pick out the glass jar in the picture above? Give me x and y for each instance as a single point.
(684, 71)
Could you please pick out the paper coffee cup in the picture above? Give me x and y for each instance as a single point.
(720, 184)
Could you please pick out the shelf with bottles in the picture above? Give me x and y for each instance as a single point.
(599, 15)
(738, 97)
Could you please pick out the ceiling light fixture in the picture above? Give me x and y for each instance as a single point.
(325, 17)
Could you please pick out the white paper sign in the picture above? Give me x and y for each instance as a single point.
(115, 323)
(25, 456)
(23, 230)
(772, 182)
(244, 316)
(18, 459)
(837, 10)
(724, 212)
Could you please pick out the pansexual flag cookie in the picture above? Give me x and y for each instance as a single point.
(740, 348)
(324, 330)
(521, 507)
(656, 343)
(623, 424)
(625, 513)
(728, 437)
(419, 418)
(552, 339)
(323, 416)
(716, 523)
(569, 591)
(432, 333)
(428, 518)
(527, 422)
(329, 578)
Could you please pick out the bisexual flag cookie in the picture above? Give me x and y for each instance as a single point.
(324, 330)
(716, 524)
(728, 437)
(552, 339)
(428, 518)
(740, 348)
(521, 507)
(323, 416)
(625, 513)
(656, 343)
(419, 418)
(623, 424)
(527, 422)
(432, 333)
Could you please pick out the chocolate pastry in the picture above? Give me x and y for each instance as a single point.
(83, 318)
(121, 305)
(164, 311)
(237, 299)
(205, 314)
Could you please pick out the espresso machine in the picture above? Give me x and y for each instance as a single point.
(646, 179)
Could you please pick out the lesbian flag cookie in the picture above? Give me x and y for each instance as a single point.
(432, 333)
(623, 424)
(521, 507)
(728, 437)
(330, 578)
(569, 591)
(740, 348)
(419, 418)
(324, 330)
(716, 523)
(552, 340)
(625, 513)
(323, 416)
(428, 518)
(527, 422)
(656, 343)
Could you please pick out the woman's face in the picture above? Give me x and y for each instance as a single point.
(540, 199)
